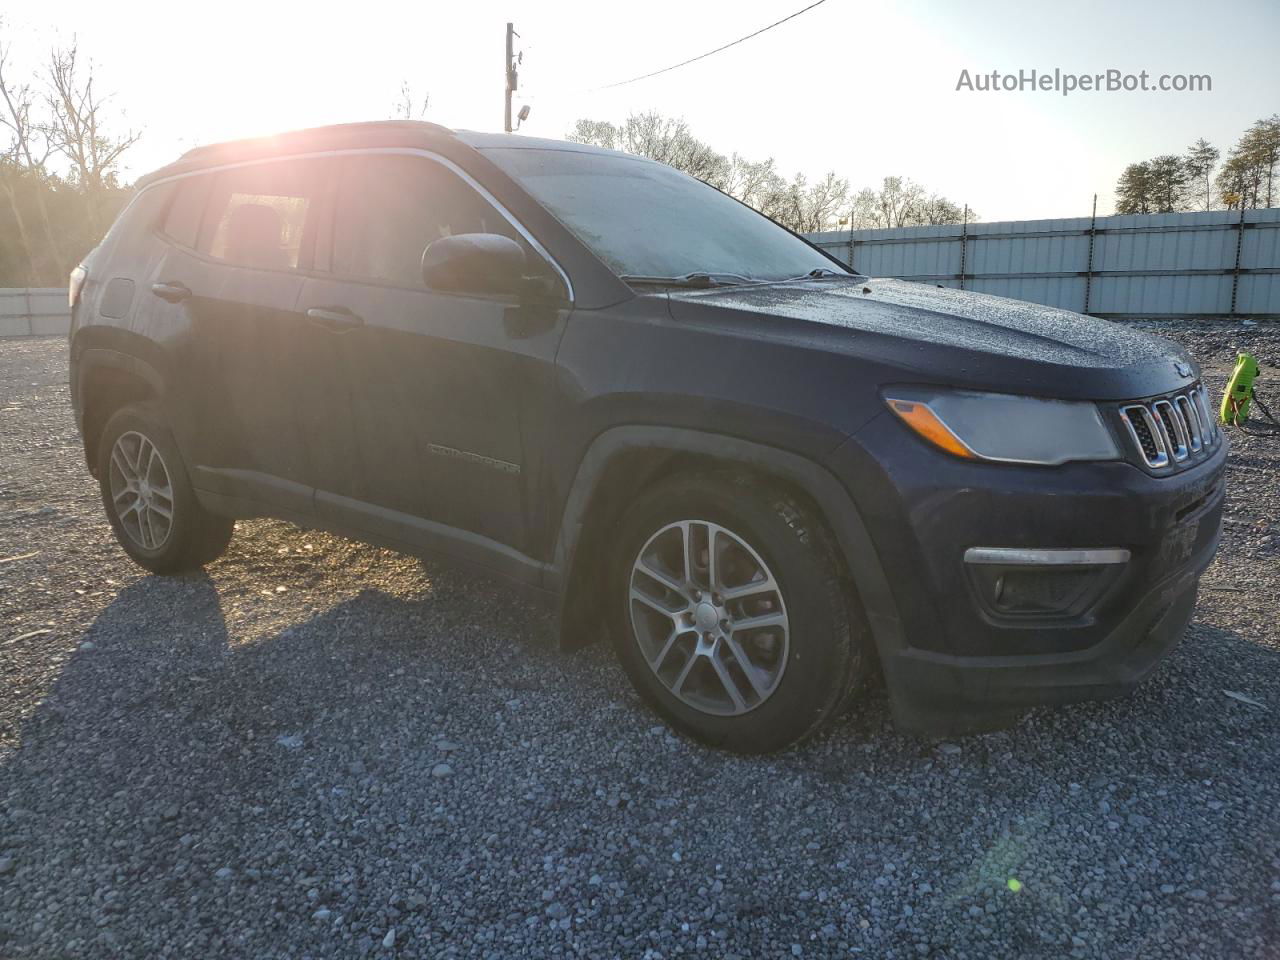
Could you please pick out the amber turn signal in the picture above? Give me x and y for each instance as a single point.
(924, 422)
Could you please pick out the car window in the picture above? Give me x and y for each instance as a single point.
(389, 208)
(183, 219)
(646, 219)
(140, 218)
(258, 216)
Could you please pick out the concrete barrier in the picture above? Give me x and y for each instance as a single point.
(34, 312)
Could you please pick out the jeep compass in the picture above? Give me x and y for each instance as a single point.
(766, 479)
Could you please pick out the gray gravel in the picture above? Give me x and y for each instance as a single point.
(320, 749)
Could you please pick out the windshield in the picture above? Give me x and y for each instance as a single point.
(645, 219)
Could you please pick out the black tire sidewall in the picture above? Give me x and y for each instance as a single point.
(819, 644)
(187, 512)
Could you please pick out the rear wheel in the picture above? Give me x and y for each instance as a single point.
(149, 500)
(732, 618)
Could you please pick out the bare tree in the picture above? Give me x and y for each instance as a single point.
(893, 205)
(407, 107)
(810, 208)
(935, 210)
(901, 202)
(25, 155)
(79, 131)
(756, 183)
(796, 204)
(658, 138)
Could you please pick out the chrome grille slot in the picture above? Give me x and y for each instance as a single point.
(1201, 401)
(1170, 430)
(1195, 433)
(1145, 433)
(1175, 429)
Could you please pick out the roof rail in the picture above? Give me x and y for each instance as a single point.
(292, 138)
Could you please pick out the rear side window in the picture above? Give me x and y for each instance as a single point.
(139, 218)
(261, 216)
(183, 220)
(390, 208)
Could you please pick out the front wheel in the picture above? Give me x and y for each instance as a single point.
(732, 617)
(149, 501)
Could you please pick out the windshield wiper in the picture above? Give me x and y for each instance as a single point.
(704, 279)
(818, 273)
(690, 280)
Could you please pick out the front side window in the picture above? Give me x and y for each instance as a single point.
(258, 216)
(391, 207)
(645, 219)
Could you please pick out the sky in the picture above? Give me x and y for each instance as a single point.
(861, 87)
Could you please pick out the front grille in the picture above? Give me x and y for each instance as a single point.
(1171, 430)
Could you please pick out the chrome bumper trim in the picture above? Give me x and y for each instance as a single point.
(1020, 556)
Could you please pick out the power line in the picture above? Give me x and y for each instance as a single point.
(685, 63)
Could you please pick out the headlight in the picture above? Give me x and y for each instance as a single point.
(994, 426)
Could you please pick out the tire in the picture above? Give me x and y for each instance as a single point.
(136, 441)
(807, 656)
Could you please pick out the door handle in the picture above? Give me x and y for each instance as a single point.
(334, 318)
(172, 292)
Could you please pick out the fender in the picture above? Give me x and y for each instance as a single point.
(96, 358)
(575, 575)
(98, 345)
(85, 360)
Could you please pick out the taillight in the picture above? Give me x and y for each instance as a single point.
(75, 284)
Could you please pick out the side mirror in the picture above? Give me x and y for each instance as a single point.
(474, 263)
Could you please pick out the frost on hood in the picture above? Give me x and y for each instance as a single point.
(956, 318)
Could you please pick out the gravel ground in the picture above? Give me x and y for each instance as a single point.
(320, 749)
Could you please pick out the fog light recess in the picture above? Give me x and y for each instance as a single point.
(1030, 584)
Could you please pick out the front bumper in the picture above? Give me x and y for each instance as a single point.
(955, 662)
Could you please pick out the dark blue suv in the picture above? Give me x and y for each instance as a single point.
(767, 479)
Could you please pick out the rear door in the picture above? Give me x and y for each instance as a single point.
(253, 374)
(448, 391)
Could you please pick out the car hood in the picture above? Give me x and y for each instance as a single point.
(943, 335)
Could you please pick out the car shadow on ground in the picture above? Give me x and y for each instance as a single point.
(174, 745)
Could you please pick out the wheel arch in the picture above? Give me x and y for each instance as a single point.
(106, 379)
(623, 460)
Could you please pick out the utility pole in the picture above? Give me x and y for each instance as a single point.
(510, 67)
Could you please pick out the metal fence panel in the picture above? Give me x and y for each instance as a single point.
(1201, 264)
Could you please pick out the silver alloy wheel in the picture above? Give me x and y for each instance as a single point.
(709, 617)
(141, 492)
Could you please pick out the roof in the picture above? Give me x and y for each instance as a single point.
(376, 133)
(491, 141)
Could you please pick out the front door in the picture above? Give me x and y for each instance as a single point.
(447, 391)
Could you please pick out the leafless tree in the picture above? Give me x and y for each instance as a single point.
(797, 204)
(901, 202)
(78, 128)
(408, 107)
(25, 154)
(804, 206)
(893, 205)
(658, 138)
(934, 210)
(815, 207)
